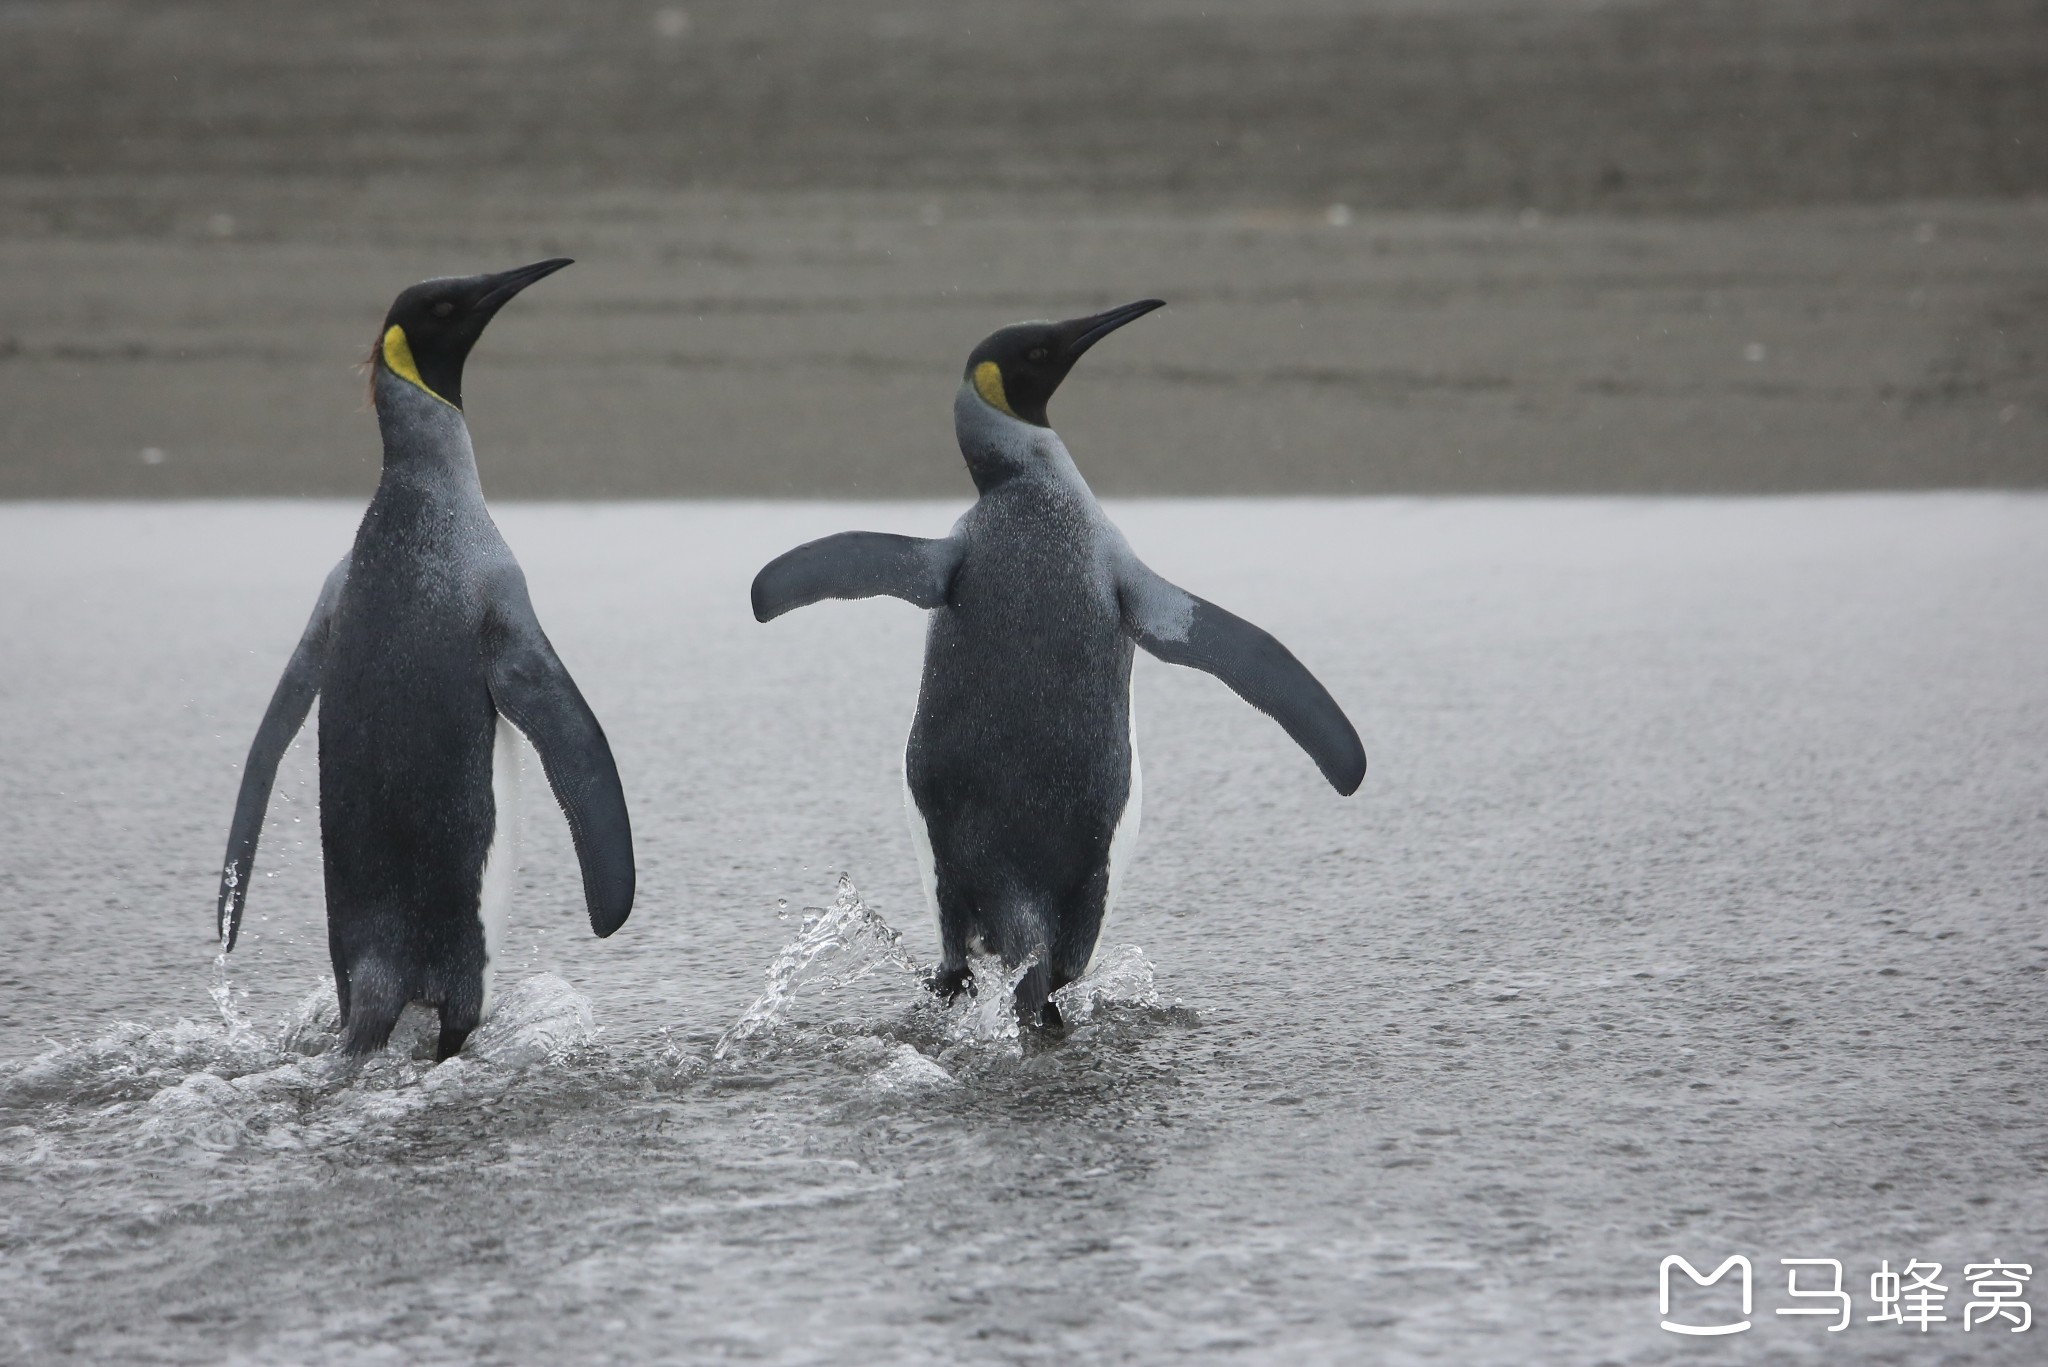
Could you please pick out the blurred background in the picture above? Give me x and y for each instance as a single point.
(1410, 245)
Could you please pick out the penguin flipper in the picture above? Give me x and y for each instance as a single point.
(857, 565)
(289, 704)
(532, 689)
(1181, 629)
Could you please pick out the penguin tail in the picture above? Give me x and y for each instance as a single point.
(376, 999)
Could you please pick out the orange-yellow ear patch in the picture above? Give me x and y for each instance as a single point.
(398, 359)
(988, 382)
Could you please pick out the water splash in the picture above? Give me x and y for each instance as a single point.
(222, 989)
(834, 948)
(312, 1027)
(536, 1020)
(918, 1043)
(1120, 977)
(909, 1071)
(205, 1089)
(232, 1018)
(231, 879)
(986, 1014)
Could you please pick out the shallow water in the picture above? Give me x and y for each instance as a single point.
(1692, 905)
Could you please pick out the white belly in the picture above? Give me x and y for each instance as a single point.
(1124, 839)
(921, 845)
(495, 902)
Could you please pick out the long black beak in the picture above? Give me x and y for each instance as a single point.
(1082, 333)
(505, 284)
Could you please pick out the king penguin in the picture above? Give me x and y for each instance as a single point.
(428, 662)
(1021, 776)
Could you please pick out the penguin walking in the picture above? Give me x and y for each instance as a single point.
(426, 656)
(1021, 773)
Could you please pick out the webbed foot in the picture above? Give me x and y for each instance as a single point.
(947, 983)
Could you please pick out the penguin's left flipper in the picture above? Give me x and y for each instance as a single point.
(1182, 629)
(289, 704)
(857, 565)
(533, 691)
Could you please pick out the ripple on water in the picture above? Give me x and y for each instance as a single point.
(845, 1075)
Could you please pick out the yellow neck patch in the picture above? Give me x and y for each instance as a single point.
(398, 360)
(988, 382)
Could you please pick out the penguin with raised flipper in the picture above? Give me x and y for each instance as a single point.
(1021, 773)
(426, 657)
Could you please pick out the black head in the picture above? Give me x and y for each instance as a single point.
(1018, 368)
(432, 326)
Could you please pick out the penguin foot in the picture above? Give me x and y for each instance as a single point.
(947, 983)
(375, 1002)
(458, 1018)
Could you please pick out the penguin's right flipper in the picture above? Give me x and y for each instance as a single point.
(857, 565)
(532, 690)
(1181, 629)
(289, 705)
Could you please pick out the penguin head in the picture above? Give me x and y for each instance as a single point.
(1016, 369)
(431, 327)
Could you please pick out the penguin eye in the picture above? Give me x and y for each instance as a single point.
(442, 309)
(1037, 353)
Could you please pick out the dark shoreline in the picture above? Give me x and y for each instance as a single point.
(1582, 106)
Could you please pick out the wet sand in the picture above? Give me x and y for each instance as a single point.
(744, 344)
(1411, 245)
